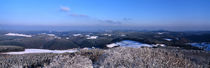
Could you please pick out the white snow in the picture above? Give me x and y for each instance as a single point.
(167, 39)
(86, 48)
(108, 34)
(133, 44)
(123, 35)
(112, 45)
(129, 43)
(77, 35)
(87, 35)
(160, 33)
(16, 34)
(51, 35)
(67, 38)
(205, 46)
(93, 47)
(92, 37)
(28, 51)
(162, 45)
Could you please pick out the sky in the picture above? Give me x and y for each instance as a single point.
(142, 14)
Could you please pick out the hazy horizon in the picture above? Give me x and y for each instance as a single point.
(64, 15)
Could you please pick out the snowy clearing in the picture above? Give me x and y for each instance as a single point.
(28, 51)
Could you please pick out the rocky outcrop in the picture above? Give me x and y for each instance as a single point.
(119, 57)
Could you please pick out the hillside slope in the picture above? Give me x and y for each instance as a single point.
(120, 57)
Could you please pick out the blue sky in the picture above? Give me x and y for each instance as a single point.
(158, 13)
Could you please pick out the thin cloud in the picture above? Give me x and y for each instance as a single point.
(64, 8)
(67, 9)
(127, 19)
(78, 15)
(111, 21)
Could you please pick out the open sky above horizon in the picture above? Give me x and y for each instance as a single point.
(191, 14)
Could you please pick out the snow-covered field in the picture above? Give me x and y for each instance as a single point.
(168, 39)
(27, 51)
(16, 34)
(92, 37)
(77, 35)
(205, 46)
(107, 34)
(112, 45)
(51, 35)
(129, 43)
